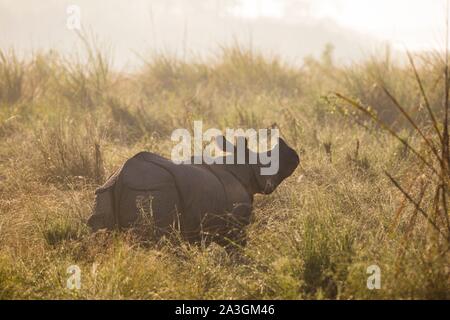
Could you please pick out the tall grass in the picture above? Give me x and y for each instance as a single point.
(73, 122)
(11, 77)
(433, 155)
(70, 150)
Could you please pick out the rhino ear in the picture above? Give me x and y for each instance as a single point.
(224, 144)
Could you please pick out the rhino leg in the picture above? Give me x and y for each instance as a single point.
(242, 214)
(240, 218)
(152, 212)
(166, 209)
(228, 229)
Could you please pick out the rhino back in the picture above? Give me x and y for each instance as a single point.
(200, 190)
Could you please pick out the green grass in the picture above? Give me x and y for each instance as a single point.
(66, 125)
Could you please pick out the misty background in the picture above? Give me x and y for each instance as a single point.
(292, 29)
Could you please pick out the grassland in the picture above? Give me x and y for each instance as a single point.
(66, 124)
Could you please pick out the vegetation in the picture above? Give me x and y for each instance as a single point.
(66, 124)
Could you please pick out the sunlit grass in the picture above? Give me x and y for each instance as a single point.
(66, 125)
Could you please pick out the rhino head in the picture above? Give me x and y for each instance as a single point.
(255, 176)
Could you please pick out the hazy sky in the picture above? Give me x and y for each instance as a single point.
(291, 28)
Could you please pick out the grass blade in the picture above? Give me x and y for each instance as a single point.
(417, 206)
(424, 95)
(411, 121)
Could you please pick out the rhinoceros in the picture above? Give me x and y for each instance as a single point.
(198, 200)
